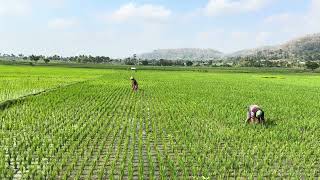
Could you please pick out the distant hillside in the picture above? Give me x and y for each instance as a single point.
(304, 48)
(307, 47)
(182, 54)
(307, 44)
(249, 52)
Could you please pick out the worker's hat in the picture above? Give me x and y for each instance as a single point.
(259, 113)
(131, 78)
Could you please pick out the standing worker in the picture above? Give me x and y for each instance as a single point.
(134, 84)
(255, 114)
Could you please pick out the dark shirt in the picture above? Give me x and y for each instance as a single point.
(134, 82)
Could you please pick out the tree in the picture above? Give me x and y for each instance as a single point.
(164, 62)
(46, 60)
(129, 61)
(34, 58)
(106, 59)
(135, 59)
(312, 65)
(179, 63)
(189, 63)
(144, 62)
(56, 57)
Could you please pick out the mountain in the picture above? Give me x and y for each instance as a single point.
(307, 47)
(303, 48)
(249, 52)
(309, 43)
(182, 54)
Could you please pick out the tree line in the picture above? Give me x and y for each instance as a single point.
(97, 60)
(277, 59)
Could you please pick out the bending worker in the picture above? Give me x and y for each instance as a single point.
(255, 114)
(134, 84)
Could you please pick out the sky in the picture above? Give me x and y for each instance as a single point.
(121, 28)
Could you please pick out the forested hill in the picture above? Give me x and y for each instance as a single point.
(306, 48)
(303, 48)
(182, 54)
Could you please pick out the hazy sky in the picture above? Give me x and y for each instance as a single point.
(119, 28)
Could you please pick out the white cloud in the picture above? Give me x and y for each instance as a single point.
(146, 12)
(14, 7)
(296, 24)
(147, 32)
(222, 7)
(62, 23)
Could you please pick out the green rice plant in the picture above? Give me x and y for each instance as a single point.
(181, 125)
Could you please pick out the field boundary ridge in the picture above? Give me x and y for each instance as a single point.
(10, 102)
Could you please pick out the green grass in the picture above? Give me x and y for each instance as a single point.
(180, 124)
(162, 68)
(17, 81)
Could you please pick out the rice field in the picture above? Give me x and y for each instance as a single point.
(179, 125)
(17, 81)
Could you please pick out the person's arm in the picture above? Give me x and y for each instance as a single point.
(248, 116)
(262, 117)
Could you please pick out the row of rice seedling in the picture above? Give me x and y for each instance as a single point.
(18, 81)
(207, 116)
(179, 125)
